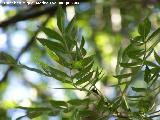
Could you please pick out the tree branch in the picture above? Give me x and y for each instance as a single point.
(33, 13)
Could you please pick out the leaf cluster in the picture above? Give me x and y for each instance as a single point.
(64, 48)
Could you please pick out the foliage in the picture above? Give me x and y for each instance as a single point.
(131, 103)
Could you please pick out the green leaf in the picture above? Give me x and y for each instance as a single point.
(55, 73)
(53, 46)
(70, 43)
(6, 58)
(19, 118)
(77, 102)
(83, 51)
(154, 34)
(157, 57)
(138, 40)
(139, 89)
(86, 113)
(147, 74)
(140, 96)
(87, 60)
(130, 65)
(149, 63)
(31, 109)
(54, 113)
(59, 104)
(96, 77)
(134, 54)
(31, 69)
(85, 78)
(82, 43)
(120, 84)
(52, 34)
(32, 115)
(84, 71)
(70, 25)
(82, 63)
(52, 55)
(155, 43)
(119, 58)
(60, 19)
(144, 28)
(154, 78)
(123, 76)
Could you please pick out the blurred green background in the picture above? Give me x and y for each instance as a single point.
(105, 24)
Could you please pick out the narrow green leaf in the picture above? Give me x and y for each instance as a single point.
(6, 58)
(54, 113)
(134, 54)
(83, 51)
(154, 78)
(148, 63)
(119, 58)
(82, 43)
(82, 63)
(70, 25)
(85, 78)
(139, 89)
(31, 69)
(157, 57)
(86, 113)
(130, 65)
(147, 74)
(155, 70)
(52, 34)
(84, 71)
(87, 60)
(77, 102)
(20, 118)
(55, 73)
(154, 34)
(60, 19)
(52, 55)
(140, 96)
(31, 109)
(155, 43)
(59, 104)
(120, 84)
(123, 76)
(32, 115)
(144, 28)
(53, 46)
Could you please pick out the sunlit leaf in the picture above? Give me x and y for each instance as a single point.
(52, 34)
(53, 46)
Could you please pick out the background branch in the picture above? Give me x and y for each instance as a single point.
(33, 13)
